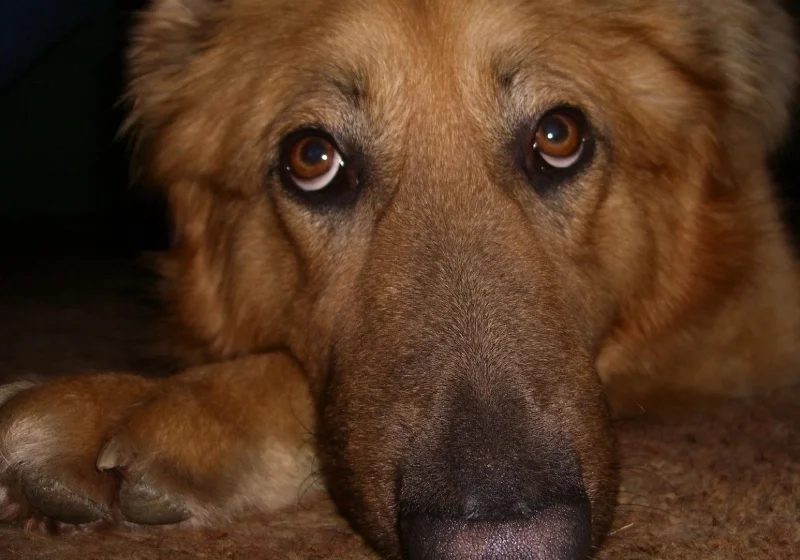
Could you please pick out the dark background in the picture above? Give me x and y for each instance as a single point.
(64, 182)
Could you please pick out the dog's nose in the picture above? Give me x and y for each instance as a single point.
(494, 480)
(558, 532)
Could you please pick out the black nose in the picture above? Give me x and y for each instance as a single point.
(494, 481)
(559, 532)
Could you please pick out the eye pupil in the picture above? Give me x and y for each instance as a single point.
(555, 129)
(314, 151)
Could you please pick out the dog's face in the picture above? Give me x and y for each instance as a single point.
(448, 212)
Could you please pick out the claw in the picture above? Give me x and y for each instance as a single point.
(143, 504)
(109, 457)
(52, 498)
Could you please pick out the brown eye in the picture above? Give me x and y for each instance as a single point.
(313, 162)
(559, 139)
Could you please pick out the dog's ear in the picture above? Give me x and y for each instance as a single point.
(164, 42)
(756, 59)
(170, 32)
(183, 110)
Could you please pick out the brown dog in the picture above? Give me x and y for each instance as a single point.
(426, 231)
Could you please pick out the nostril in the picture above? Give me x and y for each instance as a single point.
(474, 510)
(559, 532)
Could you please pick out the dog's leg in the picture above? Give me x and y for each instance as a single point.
(200, 447)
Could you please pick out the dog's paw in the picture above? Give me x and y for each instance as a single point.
(141, 499)
(50, 435)
(96, 449)
(197, 449)
(10, 498)
(178, 458)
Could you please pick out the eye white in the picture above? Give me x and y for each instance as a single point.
(319, 183)
(563, 162)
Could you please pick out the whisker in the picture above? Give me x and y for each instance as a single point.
(642, 496)
(305, 486)
(631, 506)
(628, 526)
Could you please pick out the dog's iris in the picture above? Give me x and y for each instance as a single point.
(313, 162)
(559, 140)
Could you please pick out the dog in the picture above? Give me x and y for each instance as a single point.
(426, 249)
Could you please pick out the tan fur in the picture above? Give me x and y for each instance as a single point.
(663, 269)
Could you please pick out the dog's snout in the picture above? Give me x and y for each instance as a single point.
(559, 532)
(498, 482)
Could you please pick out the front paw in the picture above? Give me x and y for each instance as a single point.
(140, 498)
(78, 452)
(197, 449)
(50, 435)
(177, 458)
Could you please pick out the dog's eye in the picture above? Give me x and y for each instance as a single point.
(311, 161)
(559, 138)
(556, 148)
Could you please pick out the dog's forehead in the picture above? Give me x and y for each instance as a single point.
(423, 60)
(407, 44)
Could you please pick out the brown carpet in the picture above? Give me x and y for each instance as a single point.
(722, 484)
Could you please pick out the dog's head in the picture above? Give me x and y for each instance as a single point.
(447, 211)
